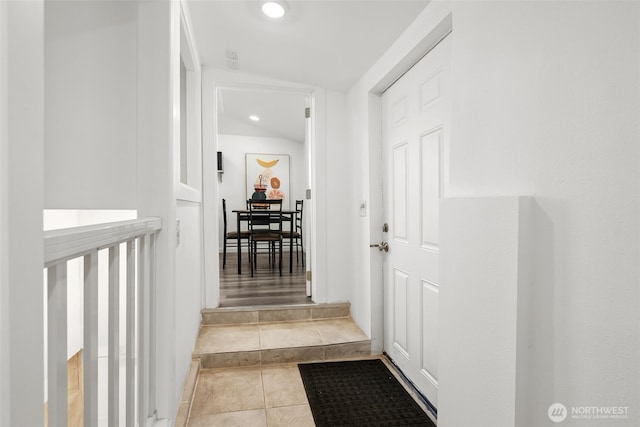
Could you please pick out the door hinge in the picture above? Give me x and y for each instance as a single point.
(307, 112)
(308, 276)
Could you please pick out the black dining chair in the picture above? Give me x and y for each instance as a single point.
(265, 226)
(231, 237)
(295, 231)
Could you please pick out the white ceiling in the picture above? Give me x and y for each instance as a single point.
(319, 43)
(281, 114)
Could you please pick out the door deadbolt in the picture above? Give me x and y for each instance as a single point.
(382, 246)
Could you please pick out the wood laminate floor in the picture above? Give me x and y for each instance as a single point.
(267, 287)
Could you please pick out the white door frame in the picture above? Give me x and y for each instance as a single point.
(411, 57)
(210, 195)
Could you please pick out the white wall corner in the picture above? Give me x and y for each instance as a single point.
(485, 275)
(21, 200)
(158, 75)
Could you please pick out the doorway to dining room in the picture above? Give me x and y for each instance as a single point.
(263, 151)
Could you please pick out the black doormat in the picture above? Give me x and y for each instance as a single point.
(359, 393)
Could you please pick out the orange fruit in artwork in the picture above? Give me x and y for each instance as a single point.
(275, 182)
(275, 194)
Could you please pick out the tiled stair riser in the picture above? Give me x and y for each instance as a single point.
(266, 336)
(274, 314)
(285, 355)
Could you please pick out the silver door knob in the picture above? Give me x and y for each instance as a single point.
(382, 246)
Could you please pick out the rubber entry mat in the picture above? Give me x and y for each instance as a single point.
(359, 393)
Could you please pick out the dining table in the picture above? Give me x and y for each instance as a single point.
(242, 215)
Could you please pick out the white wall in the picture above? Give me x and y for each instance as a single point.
(188, 292)
(232, 185)
(339, 201)
(499, 276)
(561, 122)
(21, 196)
(90, 99)
(545, 104)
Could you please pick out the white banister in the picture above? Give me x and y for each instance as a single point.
(57, 344)
(90, 345)
(65, 244)
(143, 346)
(153, 331)
(114, 336)
(130, 416)
(86, 242)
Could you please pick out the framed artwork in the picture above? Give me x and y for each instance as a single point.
(267, 177)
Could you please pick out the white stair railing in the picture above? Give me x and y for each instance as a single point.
(64, 245)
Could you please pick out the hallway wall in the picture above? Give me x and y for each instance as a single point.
(537, 112)
(231, 183)
(545, 104)
(21, 203)
(90, 101)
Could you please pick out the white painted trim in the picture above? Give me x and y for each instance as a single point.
(5, 341)
(187, 38)
(188, 194)
(318, 221)
(211, 200)
(191, 190)
(69, 243)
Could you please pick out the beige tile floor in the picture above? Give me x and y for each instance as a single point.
(266, 394)
(256, 396)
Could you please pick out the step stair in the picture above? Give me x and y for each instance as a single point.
(266, 336)
(240, 337)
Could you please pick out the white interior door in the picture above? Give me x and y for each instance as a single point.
(415, 129)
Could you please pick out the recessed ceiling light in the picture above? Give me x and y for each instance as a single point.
(254, 118)
(275, 8)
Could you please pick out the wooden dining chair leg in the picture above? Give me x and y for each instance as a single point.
(273, 251)
(280, 263)
(224, 253)
(272, 257)
(252, 254)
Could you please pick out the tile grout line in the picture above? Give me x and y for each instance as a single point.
(264, 394)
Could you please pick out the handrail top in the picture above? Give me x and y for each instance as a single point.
(121, 225)
(68, 243)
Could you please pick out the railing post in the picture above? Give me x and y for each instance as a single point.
(153, 329)
(141, 365)
(114, 337)
(90, 351)
(57, 344)
(143, 331)
(131, 334)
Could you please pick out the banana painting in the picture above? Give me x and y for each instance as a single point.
(268, 164)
